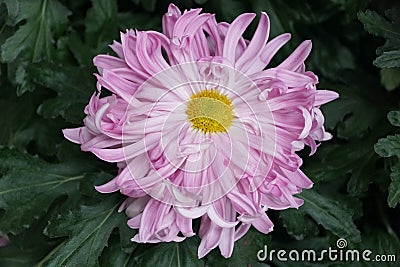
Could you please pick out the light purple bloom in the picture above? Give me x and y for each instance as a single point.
(202, 127)
(4, 240)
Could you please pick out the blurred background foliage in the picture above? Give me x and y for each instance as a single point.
(48, 206)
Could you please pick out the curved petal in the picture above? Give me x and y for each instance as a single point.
(192, 213)
(235, 31)
(108, 62)
(169, 20)
(122, 153)
(324, 96)
(257, 43)
(298, 57)
(273, 47)
(108, 187)
(73, 134)
(228, 234)
(217, 219)
(263, 224)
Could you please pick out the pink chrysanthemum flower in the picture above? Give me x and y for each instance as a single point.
(4, 240)
(201, 128)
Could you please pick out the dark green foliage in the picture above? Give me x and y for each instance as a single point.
(48, 205)
(42, 20)
(170, 254)
(88, 229)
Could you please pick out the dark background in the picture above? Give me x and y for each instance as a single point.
(48, 206)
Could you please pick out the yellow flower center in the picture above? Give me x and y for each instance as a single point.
(210, 111)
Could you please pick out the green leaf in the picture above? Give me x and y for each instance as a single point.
(171, 254)
(362, 173)
(357, 159)
(101, 28)
(331, 50)
(200, 2)
(141, 21)
(125, 236)
(389, 146)
(13, 11)
(148, 5)
(101, 13)
(388, 46)
(74, 86)
(22, 127)
(390, 78)
(35, 38)
(394, 117)
(13, 256)
(378, 25)
(394, 188)
(298, 224)
(330, 214)
(28, 247)
(31, 184)
(389, 59)
(336, 163)
(231, 8)
(22, 81)
(42, 135)
(103, 23)
(244, 252)
(113, 256)
(357, 110)
(71, 155)
(380, 243)
(20, 113)
(88, 228)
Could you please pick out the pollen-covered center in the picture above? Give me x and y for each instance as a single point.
(210, 111)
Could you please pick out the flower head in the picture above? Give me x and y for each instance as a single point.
(4, 240)
(202, 127)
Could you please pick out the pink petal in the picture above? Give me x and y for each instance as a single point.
(117, 48)
(218, 218)
(192, 213)
(108, 62)
(241, 230)
(210, 240)
(108, 187)
(255, 46)
(263, 224)
(228, 234)
(169, 20)
(324, 96)
(235, 31)
(128, 41)
(273, 47)
(297, 57)
(73, 134)
(307, 123)
(120, 154)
